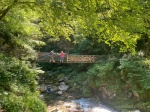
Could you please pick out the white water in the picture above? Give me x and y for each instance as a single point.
(89, 105)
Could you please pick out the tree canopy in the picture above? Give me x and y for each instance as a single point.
(115, 22)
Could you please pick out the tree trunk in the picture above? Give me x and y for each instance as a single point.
(4, 12)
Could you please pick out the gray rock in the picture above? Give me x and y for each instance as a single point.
(63, 86)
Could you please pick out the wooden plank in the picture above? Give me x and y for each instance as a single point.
(69, 58)
(80, 58)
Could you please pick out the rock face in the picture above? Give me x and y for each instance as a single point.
(105, 94)
(1, 110)
(59, 89)
(63, 86)
(133, 94)
(43, 88)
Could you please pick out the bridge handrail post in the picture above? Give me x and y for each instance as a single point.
(67, 57)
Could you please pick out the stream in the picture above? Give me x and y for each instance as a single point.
(58, 100)
(78, 105)
(62, 103)
(89, 105)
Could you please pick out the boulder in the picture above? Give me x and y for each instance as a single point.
(60, 92)
(63, 86)
(43, 88)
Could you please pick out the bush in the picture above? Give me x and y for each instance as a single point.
(18, 86)
(136, 70)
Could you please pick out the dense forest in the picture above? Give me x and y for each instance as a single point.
(118, 29)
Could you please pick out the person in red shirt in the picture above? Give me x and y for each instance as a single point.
(62, 56)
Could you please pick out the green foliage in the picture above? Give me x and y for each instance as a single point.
(18, 84)
(86, 45)
(115, 22)
(12, 103)
(27, 103)
(34, 104)
(143, 106)
(15, 71)
(135, 70)
(99, 74)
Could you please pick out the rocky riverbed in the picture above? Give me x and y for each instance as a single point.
(78, 105)
(60, 99)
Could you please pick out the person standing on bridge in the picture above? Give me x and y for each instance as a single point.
(62, 56)
(52, 56)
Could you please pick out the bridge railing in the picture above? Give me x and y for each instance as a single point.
(72, 58)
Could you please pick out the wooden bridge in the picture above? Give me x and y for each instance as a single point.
(70, 58)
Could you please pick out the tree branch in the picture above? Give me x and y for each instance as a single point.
(26, 2)
(4, 12)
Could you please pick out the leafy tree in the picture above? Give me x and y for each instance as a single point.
(18, 86)
(135, 72)
(19, 34)
(115, 22)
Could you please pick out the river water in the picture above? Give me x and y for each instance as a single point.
(90, 105)
(78, 105)
(62, 103)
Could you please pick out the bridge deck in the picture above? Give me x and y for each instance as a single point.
(71, 58)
